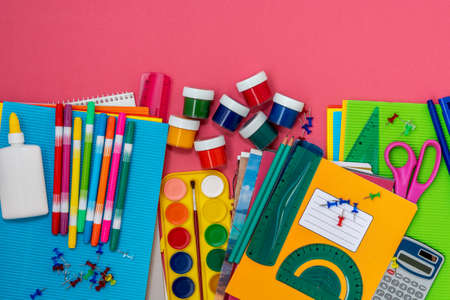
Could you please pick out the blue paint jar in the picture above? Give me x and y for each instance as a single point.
(183, 287)
(181, 262)
(230, 113)
(285, 110)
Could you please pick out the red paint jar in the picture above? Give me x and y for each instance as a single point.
(255, 89)
(211, 152)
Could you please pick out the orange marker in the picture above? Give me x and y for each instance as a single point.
(110, 129)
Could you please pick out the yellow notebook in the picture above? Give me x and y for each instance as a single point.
(321, 259)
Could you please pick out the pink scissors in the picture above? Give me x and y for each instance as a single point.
(403, 174)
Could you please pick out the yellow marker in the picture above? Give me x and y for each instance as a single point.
(76, 158)
(14, 125)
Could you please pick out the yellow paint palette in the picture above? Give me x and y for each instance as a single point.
(178, 244)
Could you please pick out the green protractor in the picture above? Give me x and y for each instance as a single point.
(366, 147)
(320, 282)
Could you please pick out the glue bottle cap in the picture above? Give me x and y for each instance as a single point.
(15, 135)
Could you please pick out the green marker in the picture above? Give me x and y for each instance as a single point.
(88, 133)
(121, 193)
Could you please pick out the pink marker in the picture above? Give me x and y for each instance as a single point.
(118, 140)
(65, 179)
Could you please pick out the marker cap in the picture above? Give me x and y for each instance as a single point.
(129, 132)
(90, 112)
(111, 127)
(68, 115)
(59, 114)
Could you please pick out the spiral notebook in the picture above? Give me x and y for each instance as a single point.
(120, 99)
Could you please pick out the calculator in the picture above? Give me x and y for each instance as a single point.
(417, 268)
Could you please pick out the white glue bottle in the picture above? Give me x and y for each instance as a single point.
(22, 182)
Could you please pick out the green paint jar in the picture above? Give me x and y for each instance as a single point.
(259, 131)
(197, 102)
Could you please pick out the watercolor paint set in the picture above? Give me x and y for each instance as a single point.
(181, 195)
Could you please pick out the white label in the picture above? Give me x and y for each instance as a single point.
(118, 143)
(117, 222)
(322, 220)
(108, 147)
(72, 220)
(89, 128)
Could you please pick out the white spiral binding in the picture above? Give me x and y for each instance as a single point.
(119, 99)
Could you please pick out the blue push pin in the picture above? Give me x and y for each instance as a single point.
(309, 119)
(355, 208)
(342, 201)
(331, 204)
(306, 128)
(94, 278)
(38, 292)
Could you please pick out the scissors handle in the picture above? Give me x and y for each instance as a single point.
(402, 175)
(416, 190)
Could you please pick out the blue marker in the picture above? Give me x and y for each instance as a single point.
(93, 184)
(439, 133)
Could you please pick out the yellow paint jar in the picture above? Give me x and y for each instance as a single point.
(182, 132)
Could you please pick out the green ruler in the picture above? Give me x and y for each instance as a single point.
(366, 147)
(280, 212)
(320, 282)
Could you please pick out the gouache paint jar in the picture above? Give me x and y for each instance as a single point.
(197, 102)
(182, 132)
(211, 152)
(285, 110)
(259, 131)
(230, 113)
(255, 89)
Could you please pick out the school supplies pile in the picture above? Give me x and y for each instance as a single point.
(315, 235)
(28, 243)
(351, 139)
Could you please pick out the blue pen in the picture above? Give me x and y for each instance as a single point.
(445, 105)
(93, 184)
(439, 133)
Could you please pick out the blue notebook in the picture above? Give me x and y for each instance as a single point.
(26, 245)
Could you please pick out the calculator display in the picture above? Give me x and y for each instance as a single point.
(415, 263)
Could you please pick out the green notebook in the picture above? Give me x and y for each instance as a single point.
(431, 223)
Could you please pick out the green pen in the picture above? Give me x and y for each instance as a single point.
(123, 182)
(85, 171)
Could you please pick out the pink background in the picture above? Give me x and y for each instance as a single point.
(318, 51)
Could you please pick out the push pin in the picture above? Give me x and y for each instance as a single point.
(58, 267)
(408, 128)
(73, 283)
(105, 272)
(99, 251)
(341, 219)
(91, 265)
(101, 284)
(126, 255)
(112, 282)
(342, 201)
(88, 274)
(355, 210)
(330, 204)
(108, 277)
(309, 119)
(36, 293)
(93, 279)
(306, 128)
(373, 196)
(392, 119)
(60, 255)
(394, 264)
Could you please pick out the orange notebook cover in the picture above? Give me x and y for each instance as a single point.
(349, 260)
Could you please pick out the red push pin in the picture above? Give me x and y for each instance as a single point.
(93, 266)
(341, 219)
(392, 119)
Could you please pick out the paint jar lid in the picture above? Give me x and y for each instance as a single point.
(288, 102)
(251, 81)
(253, 125)
(184, 123)
(198, 93)
(235, 106)
(208, 144)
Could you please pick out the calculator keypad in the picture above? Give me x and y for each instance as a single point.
(399, 287)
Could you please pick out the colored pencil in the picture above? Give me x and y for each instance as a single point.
(260, 202)
(110, 128)
(121, 192)
(440, 133)
(93, 185)
(118, 140)
(197, 239)
(56, 207)
(65, 179)
(88, 132)
(75, 191)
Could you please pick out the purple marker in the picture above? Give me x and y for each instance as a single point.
(65, 182)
